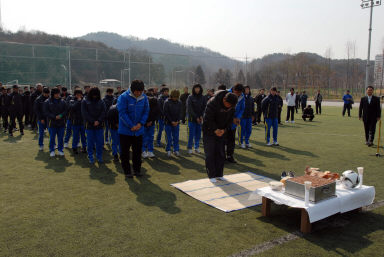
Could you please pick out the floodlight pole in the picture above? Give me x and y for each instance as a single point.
(371, 5)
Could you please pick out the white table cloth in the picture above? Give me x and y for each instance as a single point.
(346, 200)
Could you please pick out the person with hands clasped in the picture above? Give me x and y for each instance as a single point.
(217, 121)
(133, 108)
(55, 109)
(172, 113)
(195, 111)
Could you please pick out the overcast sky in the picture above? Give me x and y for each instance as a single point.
(234, 28)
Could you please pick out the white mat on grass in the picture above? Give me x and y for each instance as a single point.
(230, 195)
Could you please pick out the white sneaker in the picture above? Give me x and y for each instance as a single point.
(292, 121)
(287, 121)
(61, 153)
(213, 180)
(269, 144)
(41, 148)
(243, 145)
(65, 145)
(221, 178)
(169, 153)
(276, 143)
(190, 151)
(197, 150)
(144, 155)
(151, 155)
(79, 144)
(52, 154)
(248, 145)
(177, 153)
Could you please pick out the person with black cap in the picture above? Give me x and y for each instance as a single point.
(38, 110)
(93, 111)
(195, 110)
(15, 111)
(217, 121)
(108, 101)
(55, 109)
(77, 122)
(4, 103)
(133, 110)
(164, 94)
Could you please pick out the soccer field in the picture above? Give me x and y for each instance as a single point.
(67, 207)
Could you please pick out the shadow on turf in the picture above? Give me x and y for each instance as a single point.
(286, 149)
(57, 164)
(13, 139)
(102, 173)
(348, 231)
(151, 194)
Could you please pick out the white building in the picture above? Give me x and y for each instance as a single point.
(379, 71)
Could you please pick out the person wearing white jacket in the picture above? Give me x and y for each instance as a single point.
(291, 98)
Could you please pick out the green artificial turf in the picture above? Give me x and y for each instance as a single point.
(67, 207)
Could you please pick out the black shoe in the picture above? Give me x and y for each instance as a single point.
(231, 159)
(370, 144)
(22, 133)
(128, 175)
(10, 134)
(75, 151)
(116, 158)
(84, 150)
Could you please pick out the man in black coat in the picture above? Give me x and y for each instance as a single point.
(217, 120)
(15, 111)
(258, 99)
(370, 113)
(34, 96)
(38, 112)
(4, 105)
(26, 106)
(183, 99)
(108, 101)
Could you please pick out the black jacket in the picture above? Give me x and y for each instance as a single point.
(369, 111)
(258, 99)
(5, 101)
(154, 110)
(108, 100)
(172, 111)
(183, 98)
(113, 118)
(52, 108)
(93, 111)
(249, 109)
(38, 107)
(26, 102)
(269, 106)
(74, 113)
(16, 103)
(216, 115)
(195, 104)
(34, 96)
(161, 101)
(281, 102)
(308, 111)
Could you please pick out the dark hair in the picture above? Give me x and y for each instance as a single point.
(278, 91)
(15, 86)
(371, 87)
(78, 91)
(95, 91)
(64, 89)
(86, 86)
(222, 87)
(109, 90)
(163, 85)
(231, 98)
(25, 87)
(45, 90)
(55, 91)
(273, 89)
(292, 89)
(137, 85)
(2, 88)
(238, 87)
(164, 89)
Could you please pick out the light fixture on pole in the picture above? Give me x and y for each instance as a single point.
(369, 4)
